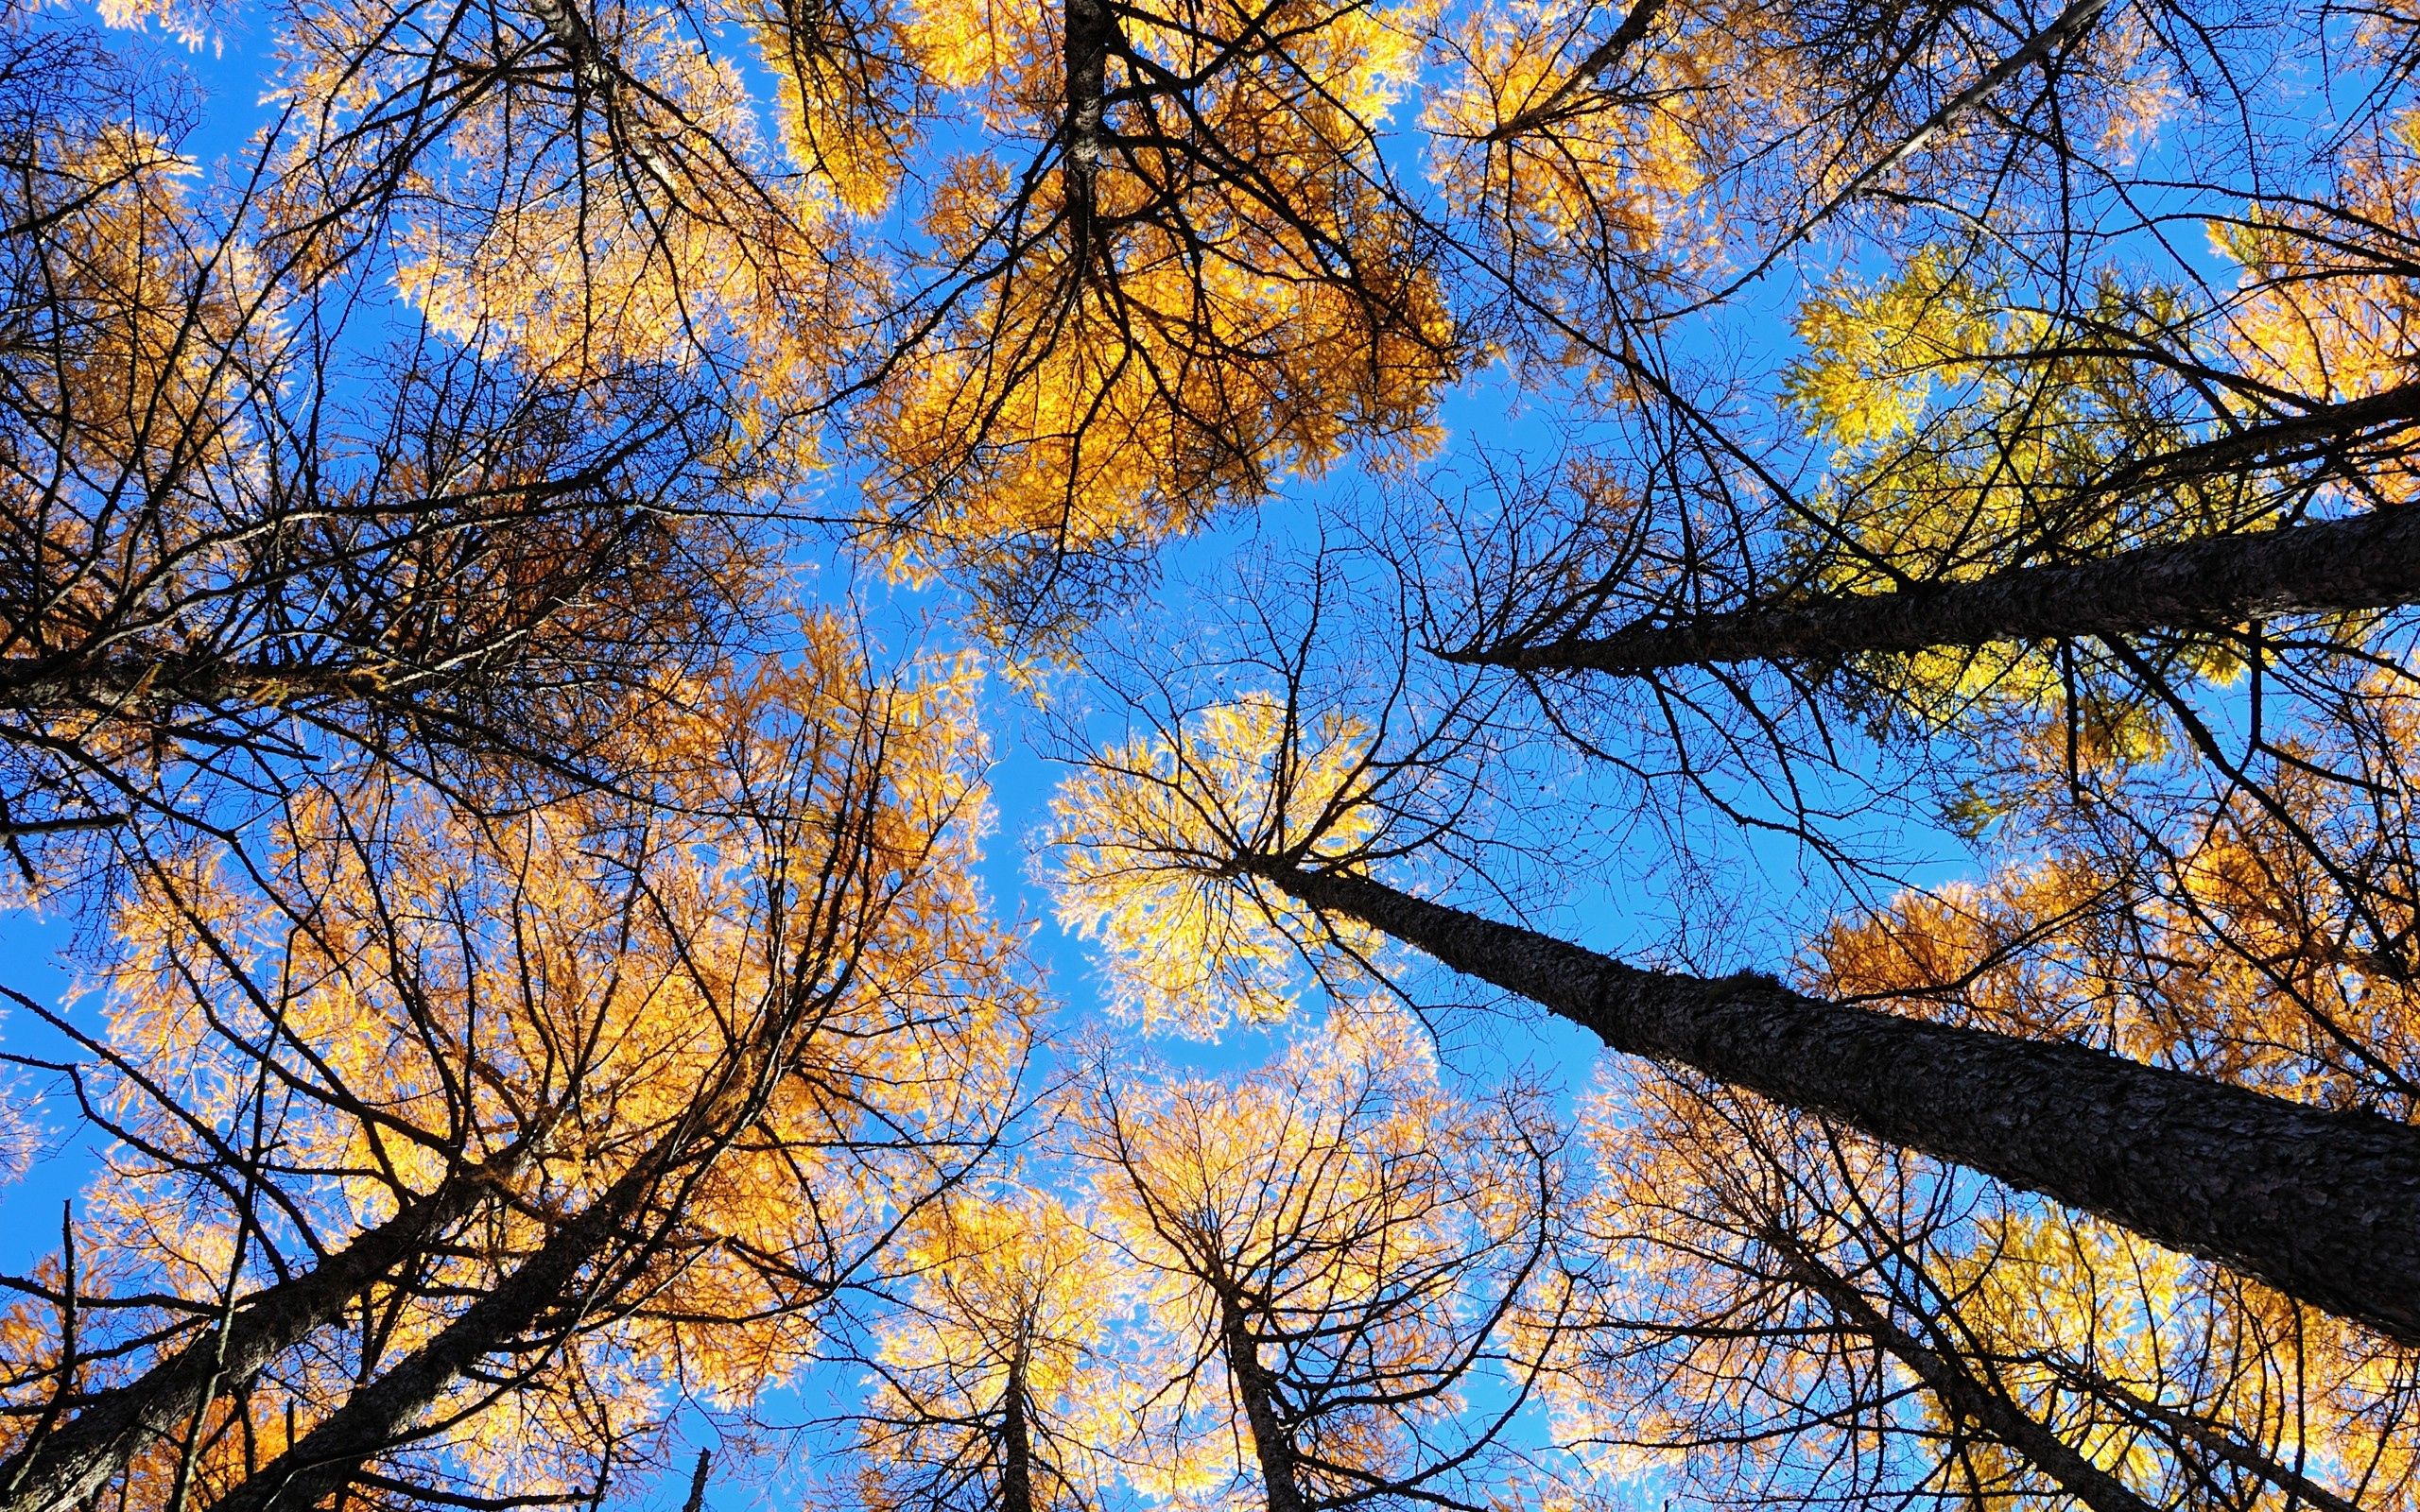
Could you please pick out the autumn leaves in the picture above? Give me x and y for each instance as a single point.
(542, 1003)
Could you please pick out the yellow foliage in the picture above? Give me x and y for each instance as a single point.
(1151, 837)
(1774, 1293)
(1002, 1344)
(1120, 348)
(1326, 1232)
(2328, 313)
(418, 985)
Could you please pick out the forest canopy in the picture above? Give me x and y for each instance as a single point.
(1212, 755)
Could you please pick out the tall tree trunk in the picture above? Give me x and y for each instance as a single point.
(1962, 1392)
(1016, 1442)
(1091, 30)
(2322, 1205)
(2342, 565)
(1271, 1443)
(140, 684)
(67, 1465)
(388, 1411)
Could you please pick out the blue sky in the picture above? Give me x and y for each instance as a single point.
(1611, 899)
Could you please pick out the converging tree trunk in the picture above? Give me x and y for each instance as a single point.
(68, 1465)
(1016, 1440)
(2338, 566)
(388, 1412)
(2322, 1205)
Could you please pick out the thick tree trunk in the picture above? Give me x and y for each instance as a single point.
(67, 1465)
(1271, 1443)
(2324, 1206)
(146, 685)
(388, 1411)
(2370, 562)
(1090, 30)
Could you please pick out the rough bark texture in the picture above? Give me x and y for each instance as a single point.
(135, 685)
(2324, 1206)
(1016, 1443)
(1090, 30)
(2371, 562)
(68, 1465)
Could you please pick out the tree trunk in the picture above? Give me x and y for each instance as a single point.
(67, 1465)
(388, 1411)
(139, 684)
(1271, 1443)
(2370, 562)
(1090, 30)
(2324, 1206)
(1962, 1393)
(1016, 1443)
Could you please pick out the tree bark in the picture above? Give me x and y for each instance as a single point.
(2338, 566)
(1090, 30)
(75, 684)
(2322, 1205)
(66, 1467)
(387, 1412)
(1271, 1443)
(1017, 1442)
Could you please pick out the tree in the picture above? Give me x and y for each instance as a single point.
(457, 1145)
(1176, 272)
(544, 990)
(2023, 477)
(997, 1384)
(2199, 1165)
(2336, 567)
(244, 542)
(1787, 1312)
(1344, 1249)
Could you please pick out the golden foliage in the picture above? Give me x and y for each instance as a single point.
(999, 1366)
(1151, 837)
(1126, 333)
(1324, 1248)
(769, 974)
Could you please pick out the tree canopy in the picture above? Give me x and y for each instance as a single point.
(1086, 755)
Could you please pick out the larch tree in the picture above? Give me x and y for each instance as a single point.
(1176, 271)
(539, 996)
(1341, 1255)
(1786, 1313)
(2104, 497)
(457, 1150)
(997, 1382)
(1242, 829)
(244, 542)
